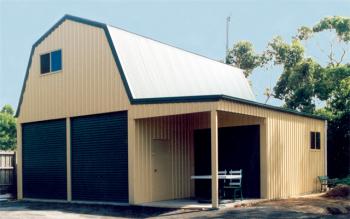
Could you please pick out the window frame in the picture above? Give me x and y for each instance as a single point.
(315, 141)
(41, 56)
(49, 52)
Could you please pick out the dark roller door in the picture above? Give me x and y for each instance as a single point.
(44, 160)
(100, 158)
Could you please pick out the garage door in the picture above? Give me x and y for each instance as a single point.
(100, 158)
(44, 160)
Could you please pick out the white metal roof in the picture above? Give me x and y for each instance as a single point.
(154, 70)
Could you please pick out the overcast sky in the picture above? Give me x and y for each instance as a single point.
(197, 26)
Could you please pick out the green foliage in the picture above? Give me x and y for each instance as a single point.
(341, 25)
(329, 79)
(7, 109)
(7, 129)
(296, 85)
(304, 33)
(343, 181)
(303, 80)
(243, 56)
(284, 54)
(340, 101)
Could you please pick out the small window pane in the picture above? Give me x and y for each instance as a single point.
(56, 60)
(312, 140)
(318, 140)
(45, 63)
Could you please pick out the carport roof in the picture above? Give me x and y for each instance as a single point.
(154, 72)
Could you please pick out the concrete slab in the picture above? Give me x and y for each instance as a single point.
(194, 204)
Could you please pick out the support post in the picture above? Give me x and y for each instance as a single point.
(19, 162)
(214, 159)
(131, 158)
(69, 171)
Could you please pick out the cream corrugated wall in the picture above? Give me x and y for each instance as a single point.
(178, 130)
(89, 82)
(291, 166)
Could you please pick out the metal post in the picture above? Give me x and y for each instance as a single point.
(228, 19)
(214, 159)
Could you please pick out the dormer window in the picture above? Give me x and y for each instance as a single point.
(51, 62)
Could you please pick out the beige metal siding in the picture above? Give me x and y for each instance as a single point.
(291, 166)
(89, 82)
(177, 131)
(156, 110)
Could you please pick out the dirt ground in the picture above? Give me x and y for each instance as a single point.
(311, 207)
(316, 204)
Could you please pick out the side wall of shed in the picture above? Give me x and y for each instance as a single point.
(291, 167)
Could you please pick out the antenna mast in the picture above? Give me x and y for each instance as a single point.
(228, 19)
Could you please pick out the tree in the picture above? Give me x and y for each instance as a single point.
(7, 129)
(340, 24)
(7, 109)
(243, 56)
(304, 81)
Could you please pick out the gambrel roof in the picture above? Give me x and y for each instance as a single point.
(154, 72)
(157, 70)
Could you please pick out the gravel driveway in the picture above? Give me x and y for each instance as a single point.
(38, 210)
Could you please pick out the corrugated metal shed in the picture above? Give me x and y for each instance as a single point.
(153, 70)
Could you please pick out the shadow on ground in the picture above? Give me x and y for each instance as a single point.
(97, 210)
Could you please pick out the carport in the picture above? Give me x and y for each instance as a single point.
(171, 149)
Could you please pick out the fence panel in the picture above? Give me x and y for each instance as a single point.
(7, 172)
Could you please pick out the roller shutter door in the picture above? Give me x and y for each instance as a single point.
(44, 160)
(100, 158)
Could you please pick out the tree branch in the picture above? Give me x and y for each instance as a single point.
(342, 57)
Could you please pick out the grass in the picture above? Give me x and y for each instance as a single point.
(344, 181)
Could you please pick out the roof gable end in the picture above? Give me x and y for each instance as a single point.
(83, 21)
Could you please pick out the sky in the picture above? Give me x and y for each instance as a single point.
(197, 26)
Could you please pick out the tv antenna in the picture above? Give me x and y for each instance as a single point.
(228, 20)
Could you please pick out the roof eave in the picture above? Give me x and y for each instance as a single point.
(213, 98)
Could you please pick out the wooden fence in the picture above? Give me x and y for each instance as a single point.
(7, 172)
